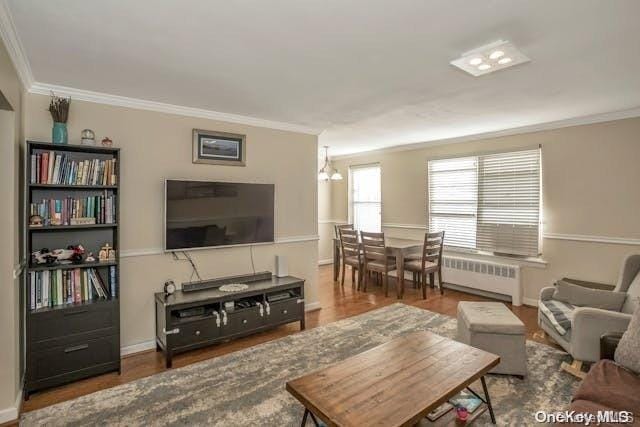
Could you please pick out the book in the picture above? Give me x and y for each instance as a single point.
(466, 400)
(113, 281)
(439, 411)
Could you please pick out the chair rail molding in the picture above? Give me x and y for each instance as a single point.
(128, 253)
(593, 239)
(408, 226)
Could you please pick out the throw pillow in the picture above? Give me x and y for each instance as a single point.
(633, 296)
(628, 351)
(581, 296)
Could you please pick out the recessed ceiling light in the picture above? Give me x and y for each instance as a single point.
(490, 58)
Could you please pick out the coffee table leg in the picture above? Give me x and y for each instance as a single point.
(486, 396)
(304, 418)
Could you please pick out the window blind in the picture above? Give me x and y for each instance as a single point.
(453, 200)
(488, 202)
(366, 200)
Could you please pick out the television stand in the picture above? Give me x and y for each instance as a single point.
(189, 320)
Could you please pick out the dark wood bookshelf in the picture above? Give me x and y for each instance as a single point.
(68, 306)
(74, 186)
(83, 338)
(45, 267)
(70, 227)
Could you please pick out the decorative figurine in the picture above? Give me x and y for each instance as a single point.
(36, 221)
(88, 137)
(106, 142)
(90, 257)
(107, 253)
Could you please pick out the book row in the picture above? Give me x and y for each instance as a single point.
(51, 288)
(68, 211)
(50, 167)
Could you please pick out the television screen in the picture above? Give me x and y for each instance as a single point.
(201, 214)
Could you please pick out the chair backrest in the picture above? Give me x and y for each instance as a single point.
(349, 242)
(432, 248)
(373, 247)
(629, 282)
(339, 227)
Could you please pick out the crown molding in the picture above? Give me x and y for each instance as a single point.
(161, 107)
(557, 124)
(14, 46)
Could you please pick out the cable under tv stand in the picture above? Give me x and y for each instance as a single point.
(187, 320)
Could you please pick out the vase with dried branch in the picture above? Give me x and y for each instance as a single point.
(59, 109)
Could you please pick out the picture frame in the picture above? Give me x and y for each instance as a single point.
(219, 148)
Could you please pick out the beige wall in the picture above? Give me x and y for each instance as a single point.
(156, 146)
(325, 221)
(590, 187)
(10, 129)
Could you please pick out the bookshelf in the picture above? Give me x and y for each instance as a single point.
(71, 311)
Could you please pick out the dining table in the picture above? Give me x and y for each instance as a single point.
(396, 247)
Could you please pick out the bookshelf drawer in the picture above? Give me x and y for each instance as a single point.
(76, 357)
(73, 322)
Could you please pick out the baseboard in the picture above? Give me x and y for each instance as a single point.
(312, 306)
(138, 348)
(13, 412)
(325, 261)
(530, 302)
(151, 345)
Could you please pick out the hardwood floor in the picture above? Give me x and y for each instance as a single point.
(336, 302)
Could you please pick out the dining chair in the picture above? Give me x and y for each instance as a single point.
(376, 259)
(430, 263)
(351, 255)
(339, 227)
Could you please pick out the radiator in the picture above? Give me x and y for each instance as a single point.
(503, 279)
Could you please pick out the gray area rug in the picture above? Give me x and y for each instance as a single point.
(247, 388)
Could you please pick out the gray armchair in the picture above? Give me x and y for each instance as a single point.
(582, 321)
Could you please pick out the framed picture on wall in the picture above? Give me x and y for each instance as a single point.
(219, 148)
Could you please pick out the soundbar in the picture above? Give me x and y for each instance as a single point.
(216, 283)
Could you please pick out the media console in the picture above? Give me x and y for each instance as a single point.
(190, 320)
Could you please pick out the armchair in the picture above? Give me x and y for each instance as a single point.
(578, 324)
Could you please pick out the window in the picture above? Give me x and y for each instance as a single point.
(366, 201)
(488, 202)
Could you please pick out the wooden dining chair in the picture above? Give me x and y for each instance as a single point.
(376, 259)
(351, 255)
(339, 227)
(430, 263)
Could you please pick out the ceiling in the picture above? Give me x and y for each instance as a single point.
(370, 73)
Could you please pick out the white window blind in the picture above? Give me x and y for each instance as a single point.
(366, 201)
(489, 202)
(453, 200)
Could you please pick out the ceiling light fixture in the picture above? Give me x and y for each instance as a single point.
(489, 58)
(327, 173)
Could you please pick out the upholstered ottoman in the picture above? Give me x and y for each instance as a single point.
(492, 327)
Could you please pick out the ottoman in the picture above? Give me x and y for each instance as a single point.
(492, 327)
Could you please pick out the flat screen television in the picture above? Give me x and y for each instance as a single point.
(203, 214)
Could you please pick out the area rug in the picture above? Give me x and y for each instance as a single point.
(247, 388)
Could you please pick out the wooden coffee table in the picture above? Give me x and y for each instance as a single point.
(395, 384)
